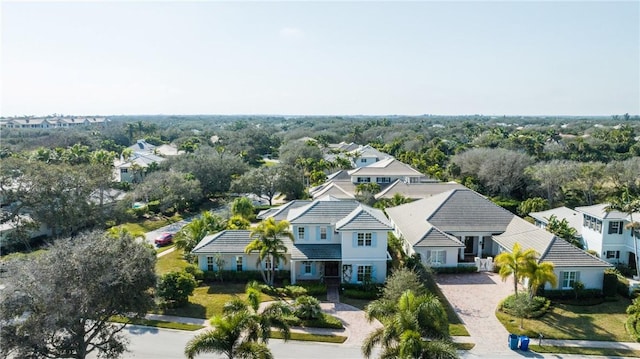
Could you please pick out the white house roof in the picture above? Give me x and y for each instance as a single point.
(387, 167)
(369, 152)
(279, 213)
(141, 159)
(417, 190)
(574, 218)
(335, 190)
(598, 211)
(229, 241)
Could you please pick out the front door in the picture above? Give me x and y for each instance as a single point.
(331, 269)
(469, 247)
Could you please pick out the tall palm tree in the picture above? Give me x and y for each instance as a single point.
(539, 274)
(629, 204)
(416, 327)
(515, 263)
(242, 332)
(267, 241)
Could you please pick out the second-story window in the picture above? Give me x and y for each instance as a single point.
(364, 239)
(300, 232)
(323, 232)
(615, 227)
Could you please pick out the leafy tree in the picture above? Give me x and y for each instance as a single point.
(529, 205)
(263, 182)
(172, 189)
(629, 204)
(67, 295)
(416, 327)
(242, 332)
(243, 207)
(176, 287)
(562, 229)
(515, 263)
(238, 222)
(267, 241)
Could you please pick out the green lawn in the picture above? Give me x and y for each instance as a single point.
(163, 249)
(208, 301)
(157, 323)
(172, 262)
(149, 225)
(595, 322)
(339, 339)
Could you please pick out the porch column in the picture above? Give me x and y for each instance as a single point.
(293, 272)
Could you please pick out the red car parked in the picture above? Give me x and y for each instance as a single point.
(164, 239)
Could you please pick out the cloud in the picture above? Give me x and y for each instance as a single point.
(291, 33)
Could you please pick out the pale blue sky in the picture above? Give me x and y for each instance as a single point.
(315, 58)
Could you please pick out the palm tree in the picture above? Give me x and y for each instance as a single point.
(629, 204)
(242, 332)
(539, 274)
(515, 263)
(191, 234)
(415, 327)
(267, 240)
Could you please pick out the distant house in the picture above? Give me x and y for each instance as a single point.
(143, 155)
(461, 227)
(50, 122)
(574, 218)
(336, 240)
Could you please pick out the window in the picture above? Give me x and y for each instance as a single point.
(307, 267)
(268, 265)
(383, 179)
(363, 160)
(300, 232)
(239, 264)
(364, 239)
(568, 279)
(364, 273)
(592, 223)
(438, 257)
(364, 179)
(612, 254)
(615, 227)
(323, 232)
(124, 170)
(210, 262)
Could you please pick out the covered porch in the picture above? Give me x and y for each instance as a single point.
(476, 246)
(316, 262)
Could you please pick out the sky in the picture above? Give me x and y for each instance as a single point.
(320, 58)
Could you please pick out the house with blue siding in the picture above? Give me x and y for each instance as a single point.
(337, 240)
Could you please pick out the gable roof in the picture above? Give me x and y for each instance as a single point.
(574, 218)
(598, 210)
(227, 241)
(434, 237)
(387, 167)
(368, 151)
(411, 223)
(364, 218)
(334, 190)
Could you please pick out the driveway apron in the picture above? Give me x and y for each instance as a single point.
(474, 298)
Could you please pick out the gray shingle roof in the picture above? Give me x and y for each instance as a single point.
(410, 220)
(526, 234)
(227, 241)
(417, 190)
(436, 238)
(598, 210)
(364, 218)
(323, 210)
(465, 210)
(563, 254)
(316, 252)
(335, 190)
(574, 218)
(279, 213)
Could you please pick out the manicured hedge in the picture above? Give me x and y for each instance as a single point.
(585, 296)
(609, 284)
(539, 306)
(244, 276)
(454, 270)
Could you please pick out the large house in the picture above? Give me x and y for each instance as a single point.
(333, 239)
(460, 227)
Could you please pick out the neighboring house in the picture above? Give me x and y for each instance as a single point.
(460, 226)
(385, 172)
(50, 122)
(143, 155)
(366, 155)
(574, 218)
(606, 233)
(336, 240)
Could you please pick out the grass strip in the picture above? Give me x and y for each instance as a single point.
(458, 330)
(337, 339)
(163, 249)
(607, 352)
(157, 323)
(464, 346)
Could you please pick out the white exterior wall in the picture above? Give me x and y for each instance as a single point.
(377, 250)
(451, 257)
(603, 241)
(378, 275)
(591, 277)
(312, 234)
(301, 275)
(248, 261)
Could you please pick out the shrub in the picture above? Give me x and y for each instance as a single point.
(196, 272)
(609, 284)
(315, 289)
(175, 288)
(307, 308)
(623, 287)
(324, 321)
(154, 206)
(535, 307)
(241, 277)
(625, 270)
(585, 296)
(295, 291)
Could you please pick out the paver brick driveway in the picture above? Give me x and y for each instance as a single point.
(475, 296)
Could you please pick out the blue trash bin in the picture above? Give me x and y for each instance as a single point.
(513, 341)
(524, 343)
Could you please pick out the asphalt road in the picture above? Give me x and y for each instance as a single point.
(154, 343)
